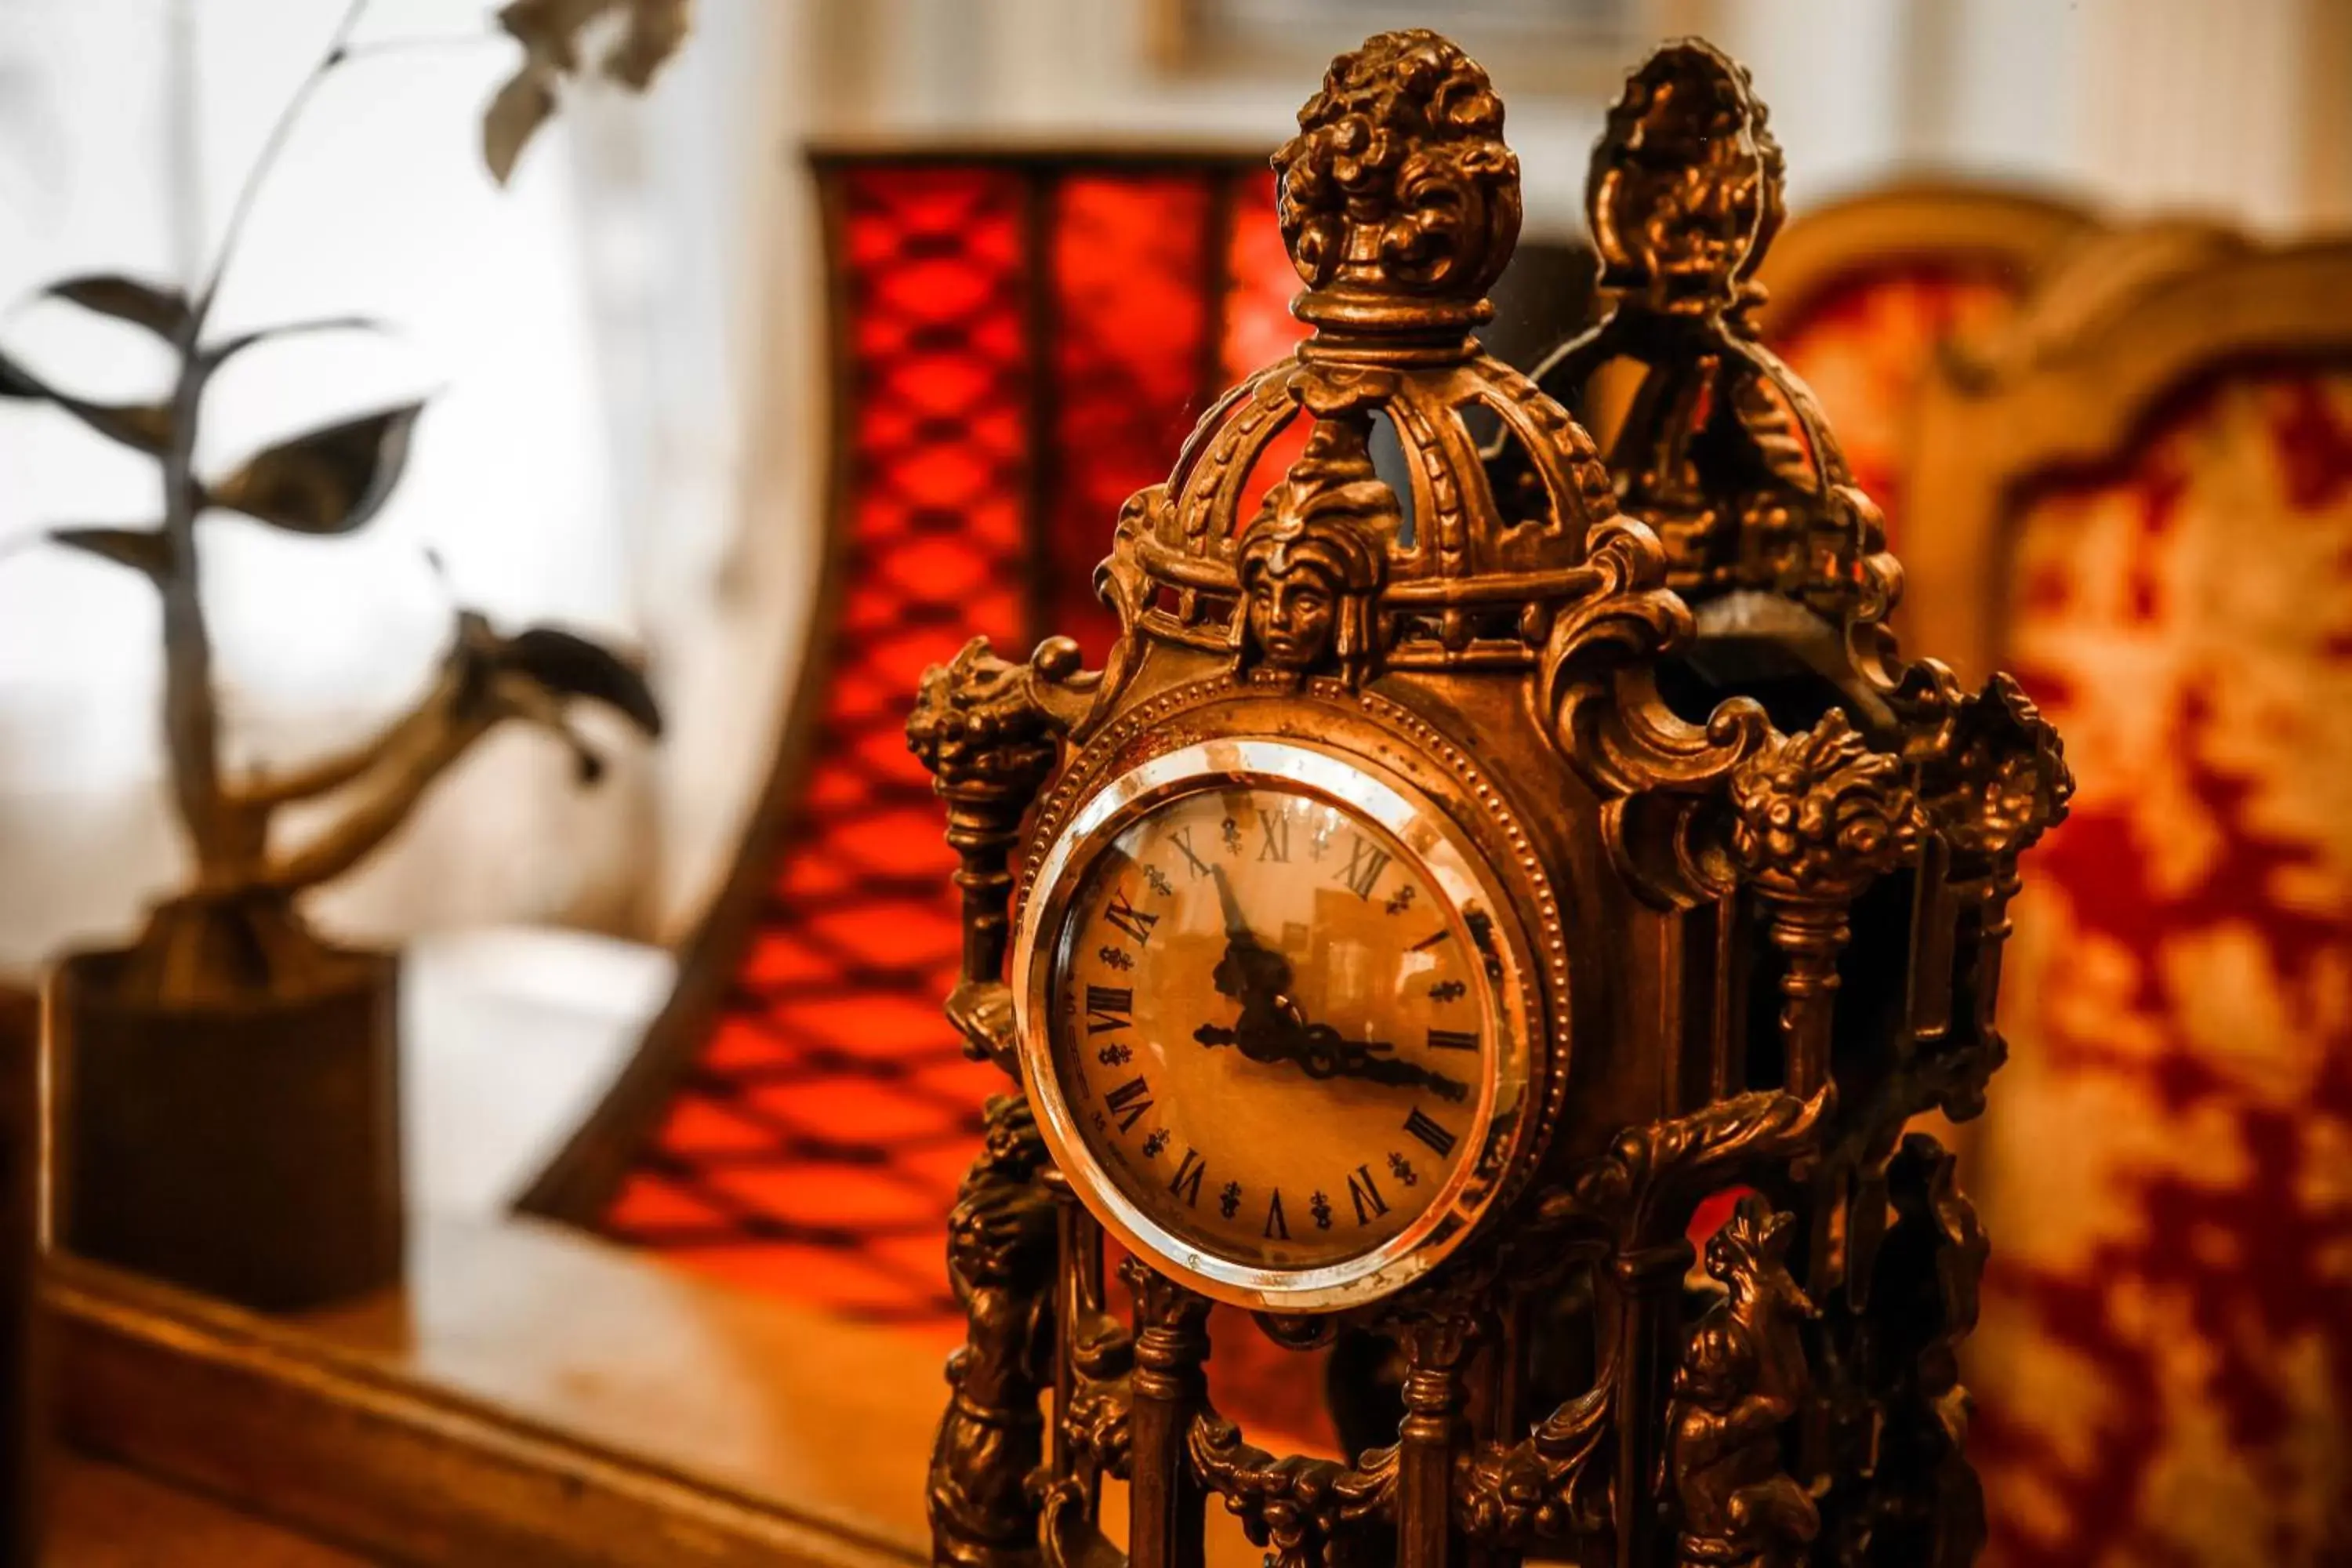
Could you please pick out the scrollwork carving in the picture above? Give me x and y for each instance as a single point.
(1640, 1193)
(1597, 684)
(2002, 779)
(1550, 1486)
(1304, 1512)
(1097, 1425)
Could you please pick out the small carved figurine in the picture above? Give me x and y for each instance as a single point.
(1000, 1259)
(1742, 1377)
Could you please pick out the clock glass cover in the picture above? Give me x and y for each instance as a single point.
(1268, 1025)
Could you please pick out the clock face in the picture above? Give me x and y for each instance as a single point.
(1269, 1025)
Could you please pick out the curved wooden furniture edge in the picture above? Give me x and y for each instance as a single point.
(578, 1185)
(277, 1419)
(2078, 402)
(1923, 219)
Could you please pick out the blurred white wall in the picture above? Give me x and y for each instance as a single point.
(592, 337)
(155, 110)
(2239, 107)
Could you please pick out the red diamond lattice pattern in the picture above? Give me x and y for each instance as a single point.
(814, 1146)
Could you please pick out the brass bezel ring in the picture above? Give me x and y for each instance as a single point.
(1510, 1004)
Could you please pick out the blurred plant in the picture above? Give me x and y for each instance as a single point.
(236, 932)
(550, 34)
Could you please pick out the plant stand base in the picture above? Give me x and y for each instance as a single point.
(248, 1152)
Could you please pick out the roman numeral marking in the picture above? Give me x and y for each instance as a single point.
(1453, 1040)
(1131, 919)
(1128, 1101)
(1366, 861)
(1109, 1008)
(1187, 1185)
(1183, 840)
(1276, 1227)
(1365, 1195)
(1277, 836)
(1422, 1126)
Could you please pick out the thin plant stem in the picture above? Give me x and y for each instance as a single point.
(337, 50)
(419, 45)
(224, 848)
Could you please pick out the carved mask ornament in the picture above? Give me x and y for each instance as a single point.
(1312, 560)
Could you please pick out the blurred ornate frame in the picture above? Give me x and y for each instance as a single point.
(2135, 316)
(2014, 232)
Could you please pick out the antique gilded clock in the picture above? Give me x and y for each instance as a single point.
(1461, 870)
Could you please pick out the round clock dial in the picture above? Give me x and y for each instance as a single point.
(1268, 1024)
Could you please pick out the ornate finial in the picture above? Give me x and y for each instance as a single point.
(1685, 192)
(1314, 557)
(1400, 202)
(1816, 816)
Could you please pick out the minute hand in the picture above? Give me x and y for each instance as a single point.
(1329, 1055)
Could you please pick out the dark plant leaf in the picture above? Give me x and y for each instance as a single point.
(142, 549)
(329, 481)
(656, 29)
(571, 666)
(146, 427)
(16, 380)
(162, 310)
(221, 352)
(549, 30)
(515, 115)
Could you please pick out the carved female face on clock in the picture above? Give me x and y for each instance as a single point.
(1266, 1023)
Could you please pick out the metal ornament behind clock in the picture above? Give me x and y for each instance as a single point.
(1463, 830)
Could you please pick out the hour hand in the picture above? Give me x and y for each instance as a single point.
(1250, 973)
(1258, 1045)
(1236, 928)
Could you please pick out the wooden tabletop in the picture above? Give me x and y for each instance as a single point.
(532, 1394)
(103, 1516)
